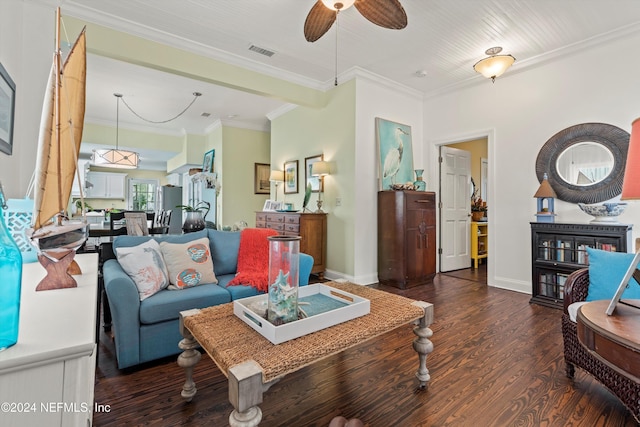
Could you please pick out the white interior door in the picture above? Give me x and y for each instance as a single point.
(455, 210)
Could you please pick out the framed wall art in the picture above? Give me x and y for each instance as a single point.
(317, 183)
(261, 183)
(272, 206)
(207, 163)
(7, 111)
(291, 177)
(396, 153)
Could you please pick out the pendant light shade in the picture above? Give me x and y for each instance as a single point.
(116, 158)
(495, 65)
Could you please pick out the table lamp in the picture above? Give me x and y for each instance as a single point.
(320, 169)
(630, 191)
(276, 177)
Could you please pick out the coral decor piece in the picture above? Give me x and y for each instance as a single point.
(253, 258)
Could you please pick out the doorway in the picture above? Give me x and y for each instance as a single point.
(461, 164)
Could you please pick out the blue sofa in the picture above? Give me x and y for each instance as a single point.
(148, 330)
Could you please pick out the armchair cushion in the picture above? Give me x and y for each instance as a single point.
(606, 270)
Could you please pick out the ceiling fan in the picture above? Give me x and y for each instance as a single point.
(385, 13)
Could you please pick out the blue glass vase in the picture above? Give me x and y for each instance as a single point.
(419, 184)
(11, 274)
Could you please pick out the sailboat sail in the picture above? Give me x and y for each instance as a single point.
(59, 142)
(57, 160)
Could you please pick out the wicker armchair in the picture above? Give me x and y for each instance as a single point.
(626, 389)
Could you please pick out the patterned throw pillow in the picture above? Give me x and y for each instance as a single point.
(189, 264)
(144, 264)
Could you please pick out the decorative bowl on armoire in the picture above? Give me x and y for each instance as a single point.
(605, 212)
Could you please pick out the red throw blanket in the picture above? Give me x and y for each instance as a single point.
(253, 258)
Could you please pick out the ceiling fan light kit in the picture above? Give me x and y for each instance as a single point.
(384, 13)
(494, 65)
(338, 5)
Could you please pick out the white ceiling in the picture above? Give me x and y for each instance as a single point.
(444, 38)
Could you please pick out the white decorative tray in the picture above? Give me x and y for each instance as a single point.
(337, 306)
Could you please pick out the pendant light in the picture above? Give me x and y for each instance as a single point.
(116, 158)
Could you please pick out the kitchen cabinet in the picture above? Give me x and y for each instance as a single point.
(83, 168)
(106, 185)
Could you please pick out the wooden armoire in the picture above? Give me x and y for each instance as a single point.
(406, 237)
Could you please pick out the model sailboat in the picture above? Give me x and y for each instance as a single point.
(57, 237)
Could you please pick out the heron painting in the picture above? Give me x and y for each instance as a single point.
(396, 153)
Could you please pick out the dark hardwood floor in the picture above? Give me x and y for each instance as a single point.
(497, 361)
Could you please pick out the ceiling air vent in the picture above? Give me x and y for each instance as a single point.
(261, 50)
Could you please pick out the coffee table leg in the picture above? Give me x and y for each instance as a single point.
(245, 394)
(189, 357)
(422, 345)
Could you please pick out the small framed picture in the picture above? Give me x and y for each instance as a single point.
(272, 206)
(207, 163)
(291, 177)
(7, 110)
(317, 183)
(261, 183)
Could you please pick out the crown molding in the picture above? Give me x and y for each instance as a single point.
(80, 11)
(280, 111)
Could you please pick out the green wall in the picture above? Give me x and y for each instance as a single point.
(305, 132)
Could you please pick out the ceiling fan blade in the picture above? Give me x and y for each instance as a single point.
(385, 13)
(318, 21)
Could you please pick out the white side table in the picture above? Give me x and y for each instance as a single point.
(47, 378)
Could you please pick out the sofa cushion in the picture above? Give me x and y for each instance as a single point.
(145, 265)
(236, 291)
(128, 241)
(606, 271)
(167, 304)
(224, 250)
(189, 263)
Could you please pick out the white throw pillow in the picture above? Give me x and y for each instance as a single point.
(189, 264)
(145, 265)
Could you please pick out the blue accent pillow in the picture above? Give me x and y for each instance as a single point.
(606, 270)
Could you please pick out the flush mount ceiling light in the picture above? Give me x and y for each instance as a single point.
(119, 159)
(494, 65)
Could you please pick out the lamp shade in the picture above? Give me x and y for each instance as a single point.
(545, 189)
(276, 176)
(118, 159)
(631, 182)
(320, 168)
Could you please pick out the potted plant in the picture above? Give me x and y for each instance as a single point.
(195, 216)
(478, 208)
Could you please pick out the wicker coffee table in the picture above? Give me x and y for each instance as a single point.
(252, 363)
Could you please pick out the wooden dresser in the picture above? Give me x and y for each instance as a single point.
(406, 237)
(311, 227)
